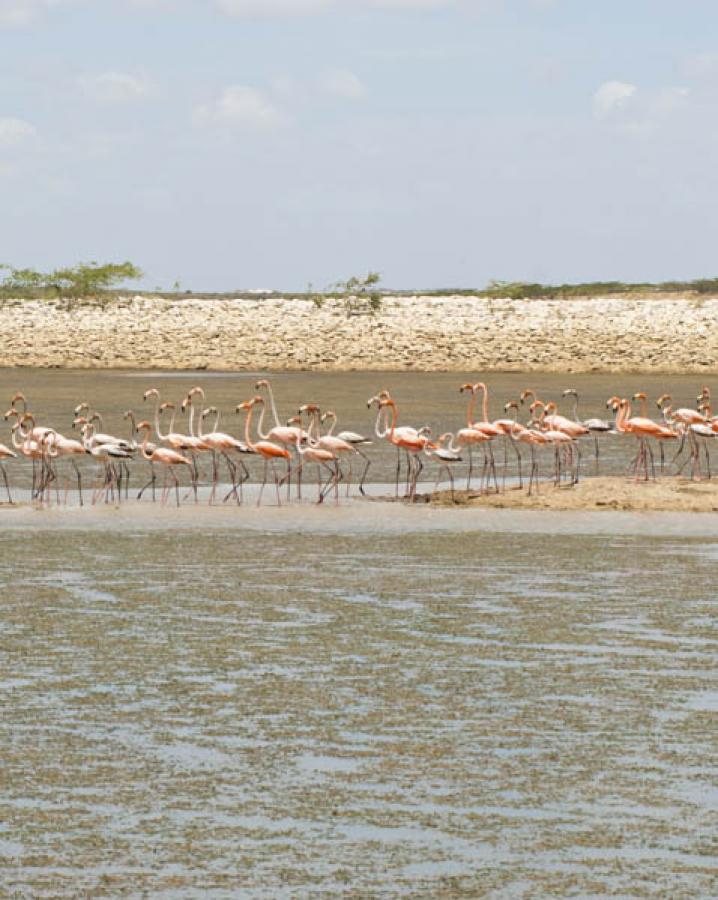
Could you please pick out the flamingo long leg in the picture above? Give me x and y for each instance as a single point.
(7, 485)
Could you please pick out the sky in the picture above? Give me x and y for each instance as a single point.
(227, 144)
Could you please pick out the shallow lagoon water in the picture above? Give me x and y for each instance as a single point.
(496, 710)
(370, 700)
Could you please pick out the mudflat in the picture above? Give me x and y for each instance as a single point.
(599, 493)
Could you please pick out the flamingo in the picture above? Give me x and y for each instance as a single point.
(530, 437)
(269, 451)
(639, 426)
(130, 415)
(282, 434)
(688, 427)
(222, 443)
(595, 426)
(559, 439)
(99, 437)
(403, 431)
(485, 427)
(323, 457)
(445, 456)
(6, 453)
(107, 453)
(166, 457)
(413, 444)
(351, 437)
(176, 441)
(334, 443)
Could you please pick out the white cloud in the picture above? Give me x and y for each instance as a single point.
(342, 83)
(701, 66)
(612, 96)
(14, 131)
(115, 87)
(22, 12)
(240, 105)
(269, 8)
(669, 100)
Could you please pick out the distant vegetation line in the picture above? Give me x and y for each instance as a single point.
(109, 281)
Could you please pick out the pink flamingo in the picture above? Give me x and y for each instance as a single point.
(323, 457)
(6, 453)
(486, 428)
(224, 444)
(269, 451)
(282, 434)
(356, 440)
(413, 444)
(445, 456)
(334, 443)
(527, 436)
(640, 427)
(166, 457)
(559, 439)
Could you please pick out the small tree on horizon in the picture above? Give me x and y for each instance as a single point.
(83, 280)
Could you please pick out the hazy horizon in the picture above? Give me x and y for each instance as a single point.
(242, 144)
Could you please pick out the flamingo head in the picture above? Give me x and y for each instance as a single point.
(639, 395)
(294, 420)
(128, 414)
(613, 403)
(245, 406)
(662, 400)
(197, 390)
(479, 386)
(144, 425)
(526, 394)
(18, 396)
(262, 383)
(512, 404)
(207, 412)
(12, 412)
(81, 407)
(466, 387)
(79, 420)
(167, 405)
(570, 392)
(152, 392)
(550, 407)
(329, 414)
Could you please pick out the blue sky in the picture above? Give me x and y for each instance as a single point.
(270, 143)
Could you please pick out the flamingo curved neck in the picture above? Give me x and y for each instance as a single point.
(470, 409)
(575, 409)
(191, 419)
(260, 423)
(379, 433)
(277, 423)
(247, 423)
(392, 406)
(143, 449)
(162, 437)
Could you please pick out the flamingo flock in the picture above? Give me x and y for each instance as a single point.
(497, 454)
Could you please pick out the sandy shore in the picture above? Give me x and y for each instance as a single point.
(668, 335)
(664, 495)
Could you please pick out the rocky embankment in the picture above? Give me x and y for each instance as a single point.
(617, 334)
